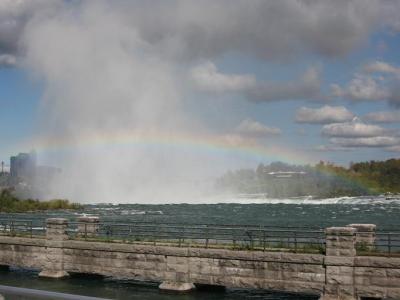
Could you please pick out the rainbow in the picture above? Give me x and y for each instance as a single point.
(208, 143)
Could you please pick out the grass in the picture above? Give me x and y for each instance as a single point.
(283, 247)
(363, 249)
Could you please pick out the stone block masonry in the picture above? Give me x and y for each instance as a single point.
(365, 235)
(88, 226)
(53, 258)
(339, 275)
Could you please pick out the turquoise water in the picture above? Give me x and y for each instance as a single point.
(378, 211)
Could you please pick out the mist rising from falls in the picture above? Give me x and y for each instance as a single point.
(101, 78)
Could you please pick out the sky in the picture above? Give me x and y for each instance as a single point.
(169, 87)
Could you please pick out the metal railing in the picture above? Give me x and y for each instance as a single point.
(388, 242)
(383, 242)
(26, 228)
(205, 235)
(251, 237)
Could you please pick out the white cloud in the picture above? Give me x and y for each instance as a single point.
(394, 98)
(368, 86)
(323, 115)
(381, 67)
(353, 129)
(7, 60)
(361, 88)
(393, 148)
(254, 129)
(357, 134)
(207, 78)
(209, 28)
(389, 14)
(373, 142)
(307, 87)
(383, 117)
(331, 148)
(14, 15)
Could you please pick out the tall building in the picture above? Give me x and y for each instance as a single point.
(23, 165)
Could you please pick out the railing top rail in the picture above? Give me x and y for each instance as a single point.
(195, 226)
(233, 226)
(142, 224)
(167, 223)
(387, 233)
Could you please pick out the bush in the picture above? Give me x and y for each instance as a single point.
(11, 204)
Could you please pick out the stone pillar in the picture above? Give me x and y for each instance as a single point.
(88, 226)
(339, 264)
(56, 234)
(177, 279)
(365, 236)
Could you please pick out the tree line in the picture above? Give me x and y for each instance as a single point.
(322, 180)
(9, 203)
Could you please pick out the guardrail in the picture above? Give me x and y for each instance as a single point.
(205, 235)
(24, 228)
(251, 237)
(388, 242)
(383, 242)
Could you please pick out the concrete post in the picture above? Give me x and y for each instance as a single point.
(88, 226)
(177, 279)
(365, 236)
(176, 287)
(56, 234)
(339, 264)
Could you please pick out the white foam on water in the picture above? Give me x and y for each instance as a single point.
(301, 200)
(261, 199)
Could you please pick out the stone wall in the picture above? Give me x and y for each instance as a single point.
(22, 252)
(340, 274)
(245, 269)
(377, 277)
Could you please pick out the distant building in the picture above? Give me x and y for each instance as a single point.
(286, 174)
(23, 165)
(27, 178)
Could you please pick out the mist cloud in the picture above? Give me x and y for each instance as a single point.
(101, 83)
(112, 76)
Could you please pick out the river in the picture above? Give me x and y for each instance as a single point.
(385, 213)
